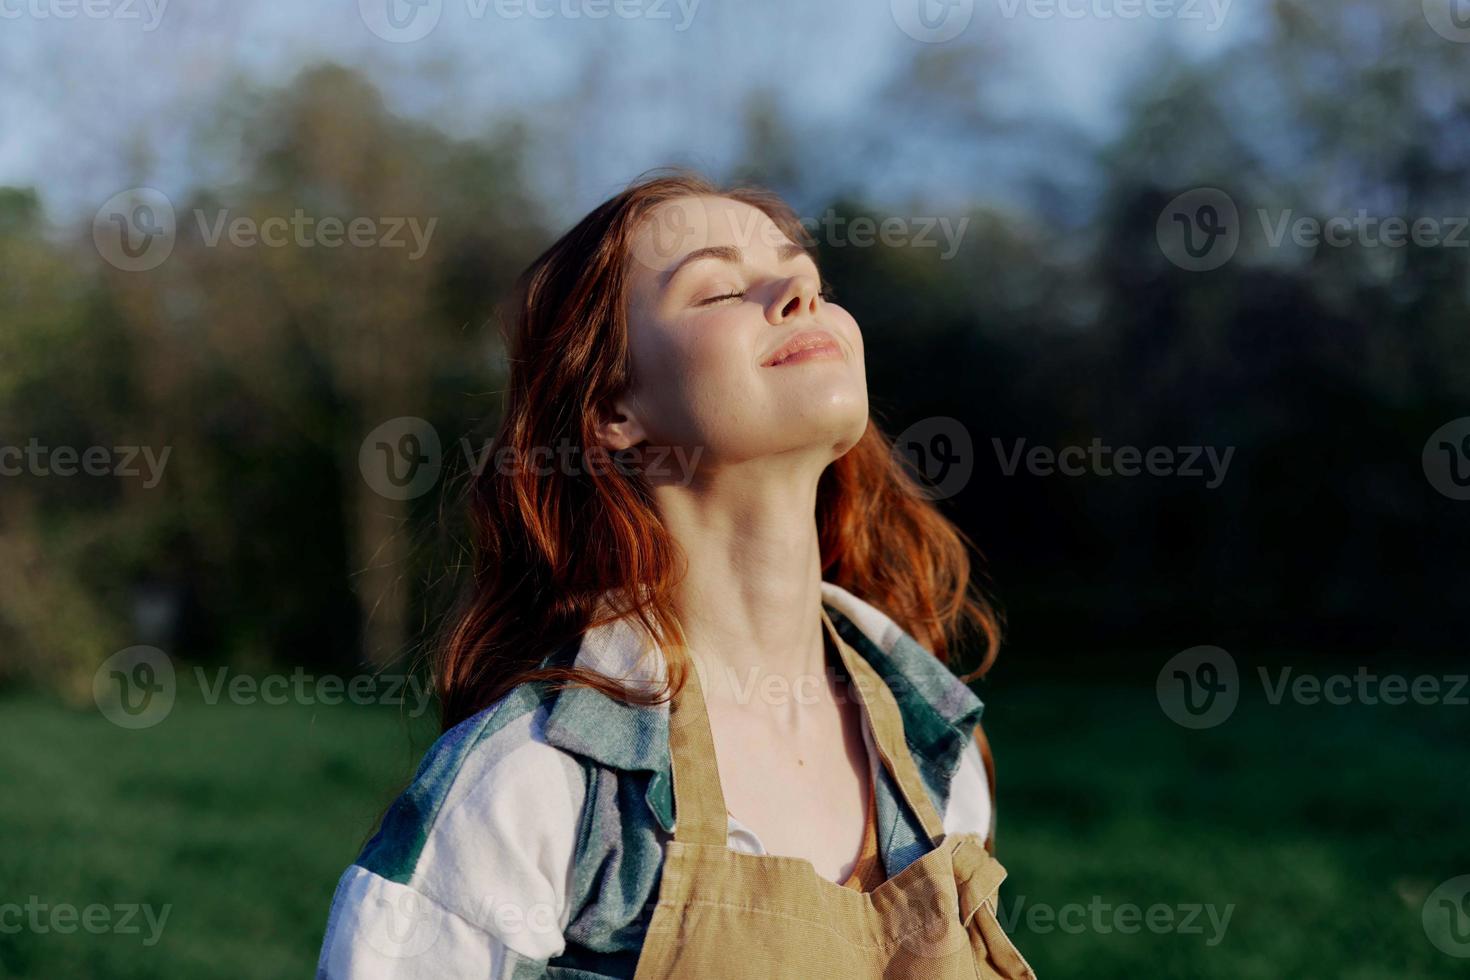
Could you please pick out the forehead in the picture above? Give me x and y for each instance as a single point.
(676, 228)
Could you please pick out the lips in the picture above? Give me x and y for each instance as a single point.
(800, 343)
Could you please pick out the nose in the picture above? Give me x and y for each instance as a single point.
(795, 296)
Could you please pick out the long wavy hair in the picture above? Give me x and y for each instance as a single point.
(554, 554)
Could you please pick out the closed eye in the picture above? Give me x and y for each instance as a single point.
(721, 297)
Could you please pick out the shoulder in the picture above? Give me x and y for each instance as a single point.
(941, 715)
(939, 709)
(471, 864)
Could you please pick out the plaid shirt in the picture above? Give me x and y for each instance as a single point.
(530, 841)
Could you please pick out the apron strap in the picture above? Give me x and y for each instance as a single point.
(882, 710)
(699, 803)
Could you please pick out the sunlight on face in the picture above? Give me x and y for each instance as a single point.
(716, 292)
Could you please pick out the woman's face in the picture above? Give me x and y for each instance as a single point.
(717, 294)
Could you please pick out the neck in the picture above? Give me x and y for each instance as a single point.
(750, 597)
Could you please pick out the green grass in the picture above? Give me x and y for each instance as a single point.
(238, 817)
(1324, 827)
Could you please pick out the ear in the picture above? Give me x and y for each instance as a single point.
(618, 427)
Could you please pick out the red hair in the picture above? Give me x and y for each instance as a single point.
(547, 548)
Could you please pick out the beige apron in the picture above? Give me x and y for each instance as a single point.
(722, 914)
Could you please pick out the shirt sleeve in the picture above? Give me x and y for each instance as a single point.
(486, 894)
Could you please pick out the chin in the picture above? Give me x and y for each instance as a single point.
(851, 438)
(848, 422)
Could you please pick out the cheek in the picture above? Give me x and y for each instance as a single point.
(851, 331)
(692, 378)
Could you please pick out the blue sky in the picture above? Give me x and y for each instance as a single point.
(91, 105)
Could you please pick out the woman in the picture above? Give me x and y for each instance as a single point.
(788, 781)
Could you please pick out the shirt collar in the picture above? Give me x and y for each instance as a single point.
(939, 710)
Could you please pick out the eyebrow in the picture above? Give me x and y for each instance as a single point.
(729, 253)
